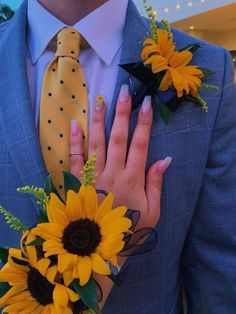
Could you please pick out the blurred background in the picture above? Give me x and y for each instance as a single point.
(210, 20)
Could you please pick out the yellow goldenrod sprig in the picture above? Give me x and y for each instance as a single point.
(201, 101)
(38, 193)
(12, 221)
(88, 172)
(152, 19)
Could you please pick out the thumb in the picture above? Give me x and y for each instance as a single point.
(154, 180)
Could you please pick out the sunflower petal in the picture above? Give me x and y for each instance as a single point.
(67, 277)
(56, 210)
(105, 207)
(43, 265)
(181, 59)
(65, 261)
(84, 269)
(166, 82)
(73, 205)
(117, 226)
(73, 297)
(99, 265)
(60, 295)
(118, 212)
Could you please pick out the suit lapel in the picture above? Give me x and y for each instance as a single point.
(16, 111)
(135, 32)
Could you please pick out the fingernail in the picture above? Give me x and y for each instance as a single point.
(124, 94)
(147, 104)
(74, 127)
(164, 165)
(99, 104)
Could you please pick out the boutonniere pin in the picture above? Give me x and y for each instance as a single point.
(167, 73)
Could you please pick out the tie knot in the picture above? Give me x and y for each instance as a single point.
(68, 43)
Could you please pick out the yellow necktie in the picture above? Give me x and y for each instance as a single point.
(64, 98)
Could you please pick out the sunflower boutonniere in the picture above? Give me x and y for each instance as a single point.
(167, 73)
(53, 270)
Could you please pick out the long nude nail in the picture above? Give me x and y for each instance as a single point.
(147, 104)
(124, 94)
(164, 165)
(74, 127)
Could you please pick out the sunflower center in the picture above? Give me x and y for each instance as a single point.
(82, 237)
(40, 288)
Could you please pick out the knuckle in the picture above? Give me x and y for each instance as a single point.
(155, 184)
(93, 145)
(122, 113)
(118, 138)
(140, 145)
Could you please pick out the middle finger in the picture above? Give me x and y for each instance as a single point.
(117, 148)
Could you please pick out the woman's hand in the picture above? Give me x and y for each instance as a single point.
(122, 170)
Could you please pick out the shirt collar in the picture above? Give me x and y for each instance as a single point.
(102, 28)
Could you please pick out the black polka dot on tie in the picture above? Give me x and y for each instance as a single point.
(60, 187)
(61, 135)
(61, 82)
(84, 111)
(83, 136)
(59, 43)
(84, 84)
(72, 32)
(53, 70)
(73, 96)
(49, 121)
(72, 52)
(49, 148)
(73, 70)
(49, 94)
(78, 61)
(61, 108)
(61, 162)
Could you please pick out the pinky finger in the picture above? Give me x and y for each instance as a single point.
(76, 149)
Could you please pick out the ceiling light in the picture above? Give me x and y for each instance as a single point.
(191, 27)
(190, 4)
(178, 6)
(166, 10)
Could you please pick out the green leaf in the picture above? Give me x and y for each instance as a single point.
(114, 280)
(209, 86)
(37, 242)
(4, 288)
(50, 187)
(71, 182)
(191, 47)
(163, 110)
(207, 72)
(42, 217)
(4, 255)
(87, 294)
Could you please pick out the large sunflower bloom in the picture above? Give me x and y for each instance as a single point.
(30, 291)
(82, 234)
(161, 55)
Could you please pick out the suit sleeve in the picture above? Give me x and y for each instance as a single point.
(209, 255)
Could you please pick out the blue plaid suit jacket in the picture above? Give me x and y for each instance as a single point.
(196, 250)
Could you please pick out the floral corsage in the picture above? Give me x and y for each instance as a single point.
(166, 73)
(53, 270)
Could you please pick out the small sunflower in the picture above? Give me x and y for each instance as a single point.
(162, 56)
(83, 235)
(30, 290)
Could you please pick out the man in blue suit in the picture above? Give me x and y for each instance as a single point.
(196, 249)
